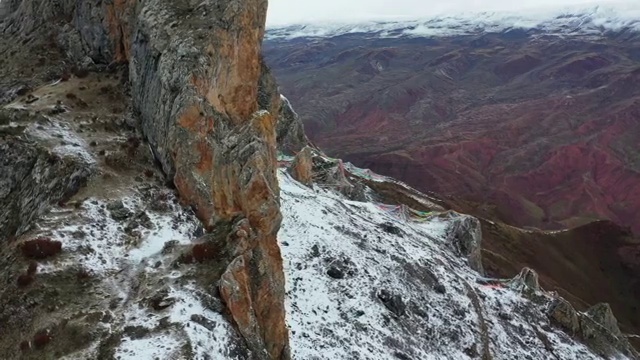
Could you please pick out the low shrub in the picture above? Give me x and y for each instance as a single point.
(41, 248)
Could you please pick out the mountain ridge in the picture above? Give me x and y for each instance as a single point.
(596, 20)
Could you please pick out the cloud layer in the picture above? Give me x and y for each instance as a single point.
(283, 12)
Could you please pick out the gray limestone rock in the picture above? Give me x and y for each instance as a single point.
(465, 238)
(31, 179)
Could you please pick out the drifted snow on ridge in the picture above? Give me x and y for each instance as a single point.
(596, 20)
(443, 313)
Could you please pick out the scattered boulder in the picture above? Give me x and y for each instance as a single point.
(161, 300)
(341, 268)
(391, 229)
(335, 272)
(402, 356)
(526, 280)
(440, 289)
(315, 251)
(393, 302)
(118, 211)
(564, 314)
(204, 322)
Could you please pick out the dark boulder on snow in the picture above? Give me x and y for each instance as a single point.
(393, 302)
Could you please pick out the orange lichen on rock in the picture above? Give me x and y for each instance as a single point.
(235, 90)
(117, 17)
(206, 157)
(302, 167)
(256, 309)
(236, 291)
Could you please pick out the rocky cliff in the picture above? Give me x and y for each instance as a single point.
(205, 103)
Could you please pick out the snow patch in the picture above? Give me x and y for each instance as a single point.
(63, 140)
(159, 346)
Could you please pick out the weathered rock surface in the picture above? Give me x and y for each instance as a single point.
(209, 109)
(597, 327)
(465, 237)
(32, 176)
(195, 75)
(302, 166)
(290, 130)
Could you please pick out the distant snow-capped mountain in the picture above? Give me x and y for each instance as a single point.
(595, 20)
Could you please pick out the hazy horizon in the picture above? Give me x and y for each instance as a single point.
(285, 12)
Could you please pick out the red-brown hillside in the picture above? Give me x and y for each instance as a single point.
(544, 127)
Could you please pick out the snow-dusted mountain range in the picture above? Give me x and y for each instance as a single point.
(593, 20)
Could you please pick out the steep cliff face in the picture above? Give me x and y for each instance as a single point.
(195, 74)
(208, 107)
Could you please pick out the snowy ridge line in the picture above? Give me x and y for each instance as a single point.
(593, 21)
(362, 284)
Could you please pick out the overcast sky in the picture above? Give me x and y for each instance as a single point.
(303, 11)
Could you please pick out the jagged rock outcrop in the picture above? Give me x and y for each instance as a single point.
(602, 314)
(525, 281)
(465, 237)
(32, 176)
(563, 313)
(597, 327)
(302, 166)
(311, 166)
(209, 109)
(290, 131)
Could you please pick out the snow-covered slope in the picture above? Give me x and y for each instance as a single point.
(597, 20)
(362, 284)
